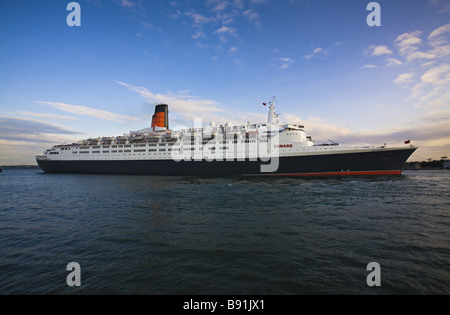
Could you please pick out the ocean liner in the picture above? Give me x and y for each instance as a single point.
(271, 148)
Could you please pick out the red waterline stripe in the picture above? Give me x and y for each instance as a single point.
(342, 173)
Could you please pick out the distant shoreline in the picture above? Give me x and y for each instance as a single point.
(10, 167)
(36, 167)
(431, 165)
(425, 169)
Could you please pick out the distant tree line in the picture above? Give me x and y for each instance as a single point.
(428, 164)
(433, 163)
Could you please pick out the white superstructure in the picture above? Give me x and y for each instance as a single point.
(223, 142)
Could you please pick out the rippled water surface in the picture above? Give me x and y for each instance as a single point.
(157, 235)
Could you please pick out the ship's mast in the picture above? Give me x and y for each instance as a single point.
(273, 118)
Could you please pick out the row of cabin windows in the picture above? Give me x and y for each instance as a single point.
(125, 146)
(150, 150)
(119, 151)
(225, 142)
(160, 145)
(153, 150)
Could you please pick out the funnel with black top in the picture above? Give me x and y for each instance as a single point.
(160, 120)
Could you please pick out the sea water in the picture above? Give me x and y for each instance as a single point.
(224, 236)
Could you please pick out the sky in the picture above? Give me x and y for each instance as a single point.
(219, 60)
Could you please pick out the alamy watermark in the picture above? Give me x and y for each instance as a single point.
(374, 18)
(74, 277)
(74, 17)
(374, 277)
(229, 144)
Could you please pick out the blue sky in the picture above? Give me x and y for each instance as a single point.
(220, 60)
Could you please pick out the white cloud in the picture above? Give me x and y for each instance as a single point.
(408, 43)
(225, 31)
(431, 133)
(380, 50)
(252, 16)
(21, 139)
(238, 4)
(429, 64)
(127, 3)
(439, 31)
(225, 12)
(23, 151)
(226, 18)
(86, 111)
(188, 107)
(433, 89)
(412, 47)
(12, 127)
(197, 18)
(441, 51)
(201, 46)
(421, 55)
(438, 75)
(221, 16)
(147, 25)
(232, 50)
(445, 7)
(368, 66)
(441, 100)
(408, 39)
(46, 116)
(318, 127)
(404, 78)
(315, 52)
(439, 40)
(198, 35)
(393, 62)
(285, 63)
(219, 6)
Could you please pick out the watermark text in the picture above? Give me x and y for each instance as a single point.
(74, 17)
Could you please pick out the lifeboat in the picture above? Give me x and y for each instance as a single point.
(136, 138)
(107, 140)
(92, 141)
(121, 139)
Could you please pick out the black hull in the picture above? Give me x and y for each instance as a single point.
(379, 162)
